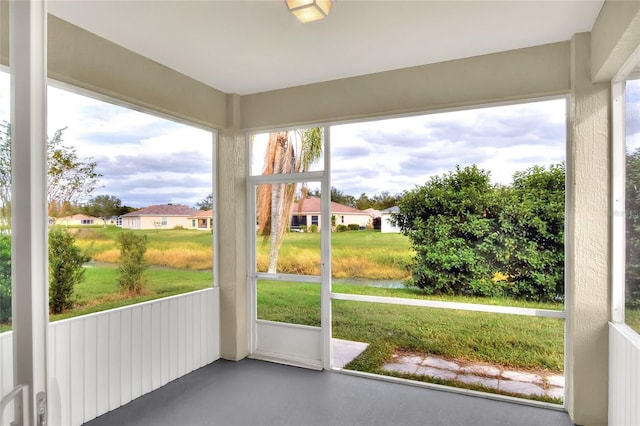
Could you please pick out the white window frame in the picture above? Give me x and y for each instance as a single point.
(628, 71)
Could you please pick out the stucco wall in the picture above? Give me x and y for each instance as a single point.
(588, 241)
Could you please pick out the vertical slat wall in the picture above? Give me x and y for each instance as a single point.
(624, 376)
(6, 370)
(101, 361)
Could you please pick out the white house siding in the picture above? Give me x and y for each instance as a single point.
(362, 220)
(155, 222)
(387, 224)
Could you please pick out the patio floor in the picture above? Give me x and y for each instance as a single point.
(251, 392)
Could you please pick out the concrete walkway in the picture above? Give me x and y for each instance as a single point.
(488, 375)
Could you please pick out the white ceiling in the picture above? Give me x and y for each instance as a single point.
(247, 47)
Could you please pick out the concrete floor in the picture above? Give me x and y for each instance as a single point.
(253, 392)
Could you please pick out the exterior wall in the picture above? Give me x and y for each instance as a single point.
(386, 224)
(588, 241)
(78, 222)
(232, 229)
(155, 222)
(357, 219)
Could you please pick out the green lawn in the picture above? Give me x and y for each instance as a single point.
(523, 342)
(632, 319)
(510, 340)
(100, 290)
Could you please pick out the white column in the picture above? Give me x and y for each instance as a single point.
(29, 208)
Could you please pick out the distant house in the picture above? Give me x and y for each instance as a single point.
(159, 217)
(202, 220)
(77, 219)
(307, 212)
(387, 223)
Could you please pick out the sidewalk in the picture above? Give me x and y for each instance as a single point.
(490, 376)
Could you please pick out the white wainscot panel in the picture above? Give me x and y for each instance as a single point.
(624, 376)
(101, 361)
(293, 344)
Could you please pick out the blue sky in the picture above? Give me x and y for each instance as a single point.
(147, 160)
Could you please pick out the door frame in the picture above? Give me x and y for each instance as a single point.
(292, 344)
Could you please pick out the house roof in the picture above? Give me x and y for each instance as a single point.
(203, 213)
(312, 205)
(163, 210)
(394, 209)
(357, 37)
(78, 217)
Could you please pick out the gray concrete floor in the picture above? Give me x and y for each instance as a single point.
(253, 392)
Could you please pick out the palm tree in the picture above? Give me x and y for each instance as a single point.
(275, 201)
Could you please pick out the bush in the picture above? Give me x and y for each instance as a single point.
(353, 227)
(342, 228)
(313, 228)
(447, 220)
(65, 269)
(132, 265)
(303, 228)
(5, 278)
(178, 227)
(464, 231)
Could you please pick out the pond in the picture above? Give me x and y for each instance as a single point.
(370, 283)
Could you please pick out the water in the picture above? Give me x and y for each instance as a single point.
(370, 283)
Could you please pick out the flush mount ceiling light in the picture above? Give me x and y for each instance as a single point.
(309, 10)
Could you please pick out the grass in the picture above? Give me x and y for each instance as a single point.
(100, 290)
(529, 343)
(355, 254)
(182, 262)
(632, 319)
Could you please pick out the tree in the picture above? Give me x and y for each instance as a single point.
(384, 200)
(5, 277)
(132, 264)
(340, 197)
(103, 207)
(65, 269)
(529, 242)
(5, 175)
(448, 220)
(70, 179)
(206, 203)
(287, 152)
(632, 225)
(363, 202)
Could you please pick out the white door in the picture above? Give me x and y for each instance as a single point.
(290, 268)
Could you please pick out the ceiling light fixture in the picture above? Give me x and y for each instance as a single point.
(309, 10)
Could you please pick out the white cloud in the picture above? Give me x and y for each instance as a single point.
(396, 154)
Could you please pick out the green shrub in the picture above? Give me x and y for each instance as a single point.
(353, 227)
(342, 228)
(132, 265)
(178, 227)
(5, 278)
(313, 228)
(303, 228)
(465, 230)
(65, 269)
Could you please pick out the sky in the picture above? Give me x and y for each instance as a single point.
(146, 160)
